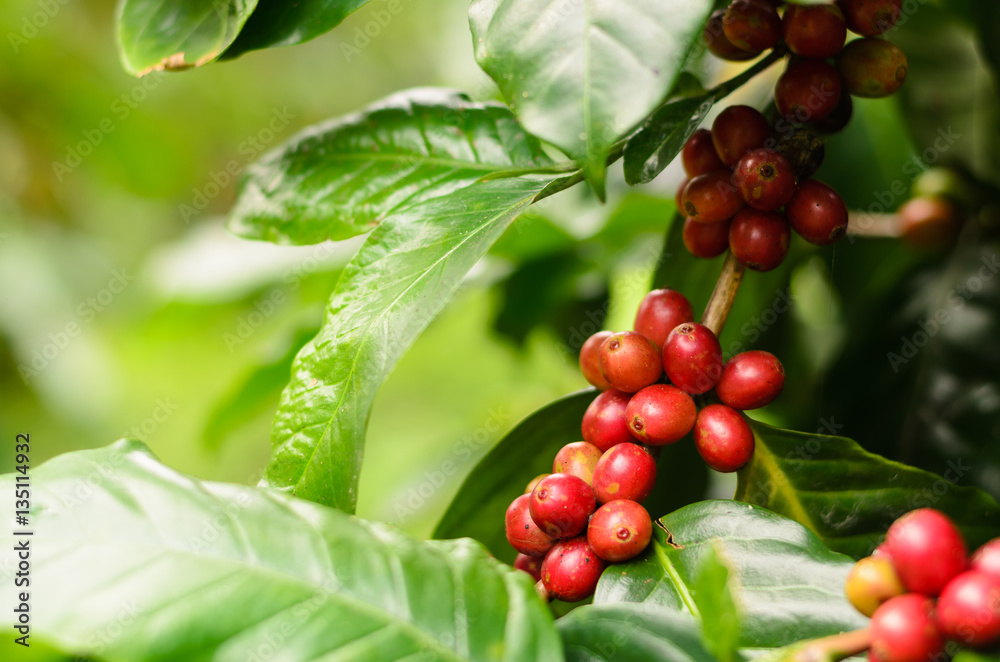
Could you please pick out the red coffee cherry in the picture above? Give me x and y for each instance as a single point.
(604, 422)
(571, 570)
(752, 25)
(766, 179)
(712, 197)
(872, 68)
(902, 630)
(705, 240)
(561, 504)
(969, 609)
(717, 42)
(759, 239)
(530, 564)
(723, 438)
(808, 91)
(590, 364)
(535, 481)
(627, 471)
(871, 18)
(987, 558)
(698, 155)
(927, 550)
(619, 530)
(737, 130)
(660, 414)
(817, 213)
(929, 222)
(659, 312)
(629, 361)
(577, 459)
(522, 532)
(692, 358)
(750, 380)
(872, 581)
(814, 31)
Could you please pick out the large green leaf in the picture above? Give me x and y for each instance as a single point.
(154, 35)
(400, 279)
(582, 74)
(342, 178)
(283, 23)
(849, 496)
(133, 561)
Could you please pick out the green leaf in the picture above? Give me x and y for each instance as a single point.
(790, 585)
(143, 563)
(849, 496)
(342, 178)
(400, 279)
(282, 23)
(154, 35)
(720, 619)
(581, 75)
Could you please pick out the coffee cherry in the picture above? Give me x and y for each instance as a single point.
(759, 239)
(660, 414)
(838, 119)
(987, 558)
(577, 459)
(723, 438)
(522, 532)
(737, 130)
(902, 630)
(871, 18)
(871, 582)
(619, 530)
(817, 213)
(750, 380)
(571, 570)
(814, 31)
(752, 25)
(872, 68)
(804, 150)
(604, 422)
(627, 471)
(530, 564)
(561, 505)
(929, 222)
(711, 198)
(660, 312)
(927, 550)
(590, 364)
(629, 361)
(882, 552)
(969, 609)
(692, 358)
(535, 481)
(698, 155)
(705, 240)
(717, 42)
(808, 91)
(766, 179)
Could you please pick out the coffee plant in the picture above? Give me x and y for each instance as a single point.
(659, 513)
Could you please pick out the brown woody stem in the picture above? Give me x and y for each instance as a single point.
(723, 295)
(834, 648)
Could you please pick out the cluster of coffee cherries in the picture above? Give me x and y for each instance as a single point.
(922, 590)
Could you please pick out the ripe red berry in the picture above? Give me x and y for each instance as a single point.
(872, 581)
(712, 197)
(737, 130)
(987, 558)
(530, 564)
(759, 239)
(590, 364)
(927, 550)
(522, 532)
(817, 213)
(577, 459)
(766, 179)
(903, 630)
(717, 42)
(627, 471)
(660, 312)
(723, 438)
(872, 68)
(619, 530)
(604, 422)
(660, 414)
(705, 240)
(750, 380)
(752, 25)
(571, 570)
(629, 361)
(698, 155)
(814, 31)
(929, 222)
(968, 609)
(871, 18)
(692, 358)
(535, 481)
(561, 504)
(808, 91)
